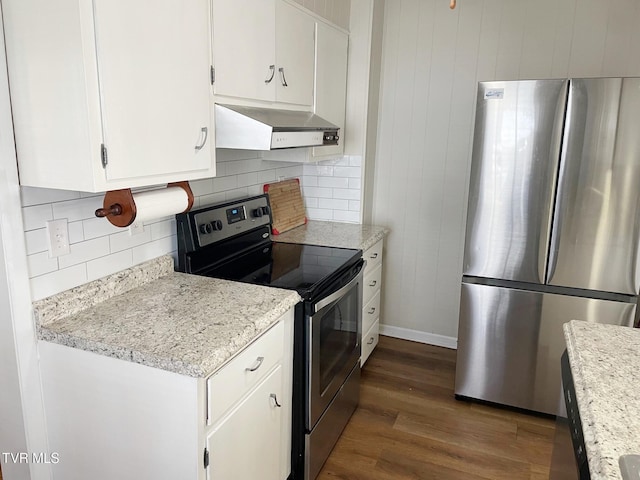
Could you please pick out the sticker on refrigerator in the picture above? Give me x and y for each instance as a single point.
(494, 94)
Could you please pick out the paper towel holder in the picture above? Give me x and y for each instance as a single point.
(119, 206)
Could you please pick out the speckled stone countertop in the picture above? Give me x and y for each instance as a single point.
(151, 315)
(334, 234)
(605, 364)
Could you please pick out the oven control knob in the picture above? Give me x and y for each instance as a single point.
(216, 225)
(257, 212)
(265, 210)
(206, 228)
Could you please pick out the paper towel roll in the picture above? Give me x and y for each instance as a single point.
(154, 204)
(123, 208)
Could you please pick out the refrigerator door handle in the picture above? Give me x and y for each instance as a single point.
(557, 221)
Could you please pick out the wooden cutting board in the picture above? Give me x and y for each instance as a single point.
(287, 206)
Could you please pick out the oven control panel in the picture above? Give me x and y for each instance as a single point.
(218, 222)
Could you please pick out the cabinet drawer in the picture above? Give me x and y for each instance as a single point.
(371, 312)
(373, 256)
(236, 378)
(371, 284)
(369, 342)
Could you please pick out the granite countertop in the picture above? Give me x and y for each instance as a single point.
(151, 315)
(334, 234)
(605, 364)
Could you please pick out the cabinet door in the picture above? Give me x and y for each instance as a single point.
(331, 82)
(247, 443)
(295, 32)
(153, 67)
(244, 48)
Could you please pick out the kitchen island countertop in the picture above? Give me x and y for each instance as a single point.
(605, 364)
(334, 234)
(151, 315)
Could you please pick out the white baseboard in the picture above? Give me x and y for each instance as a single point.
(418, 336)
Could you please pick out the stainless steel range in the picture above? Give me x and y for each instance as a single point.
(231, 241)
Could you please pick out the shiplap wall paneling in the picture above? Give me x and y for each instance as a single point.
(432, 59)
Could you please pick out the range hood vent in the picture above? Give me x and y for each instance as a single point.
(252, 128)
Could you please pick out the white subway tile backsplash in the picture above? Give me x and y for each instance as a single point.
(309, 181)
(76, 232)
(58, 281)
(35, 217)
(40, 263)
(154, 249)
(318, 192)
(355, 161)
(36, 241)
(98, 248)
(80, 209)
(162, 229)
(289, 172)
(346, 194)
(332, 203)
(266, 176)
(354, 205)
(247, 179)
(333, 182)
(346, 216)
(84, 251)
(319, 214)
(123, 240)
(103, 266)
(202, 187)
(353, 172)
(220, 184)
(98, 227)
(38, 196)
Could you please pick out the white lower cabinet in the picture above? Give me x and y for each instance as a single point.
(244, 444)
(109, 418)
(372, 293)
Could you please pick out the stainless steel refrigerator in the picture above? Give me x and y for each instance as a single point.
(553, 230)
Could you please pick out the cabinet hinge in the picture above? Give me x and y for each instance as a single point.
(206, 458)
(213, 75)
(103, 155)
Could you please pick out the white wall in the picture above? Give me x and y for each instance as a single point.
(336, 11)
(432, 59)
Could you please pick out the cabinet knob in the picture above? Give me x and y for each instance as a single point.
(373, 284)
(372, 311)
(374, 256)
(274, 397)
(370, 341)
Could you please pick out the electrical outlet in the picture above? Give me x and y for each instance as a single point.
(58, 234)
(136, 228)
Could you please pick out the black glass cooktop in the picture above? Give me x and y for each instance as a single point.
(308, 269)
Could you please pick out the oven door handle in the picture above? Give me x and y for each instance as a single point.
(339, 293)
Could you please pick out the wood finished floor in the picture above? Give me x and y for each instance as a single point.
(409, 426)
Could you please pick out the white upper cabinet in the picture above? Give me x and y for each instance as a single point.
(244, 53)
(263, 51)
(331, 82)
(295, 46)
(109, 94)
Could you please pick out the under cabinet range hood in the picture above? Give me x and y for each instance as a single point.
(252, 128)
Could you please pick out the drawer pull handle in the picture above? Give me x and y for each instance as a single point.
(259, 361)
(370, 341)
(372, 311)
(373, 284)
(274, 397)
(374, 256)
